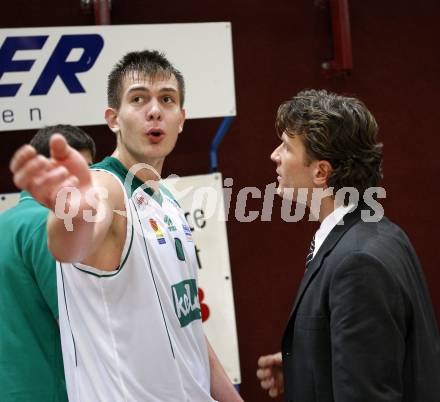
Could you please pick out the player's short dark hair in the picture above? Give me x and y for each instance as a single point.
(74, 136)
(338, 129)
(149, 63)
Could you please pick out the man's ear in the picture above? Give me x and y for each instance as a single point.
(111, 116)
(322, 173)
(182, 119)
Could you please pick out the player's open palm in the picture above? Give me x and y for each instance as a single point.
(45, 177)
(270, 374)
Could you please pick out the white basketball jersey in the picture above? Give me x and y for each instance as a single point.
(135, 334)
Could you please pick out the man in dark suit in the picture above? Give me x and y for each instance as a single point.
(362, 328)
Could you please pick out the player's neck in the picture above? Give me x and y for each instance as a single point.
(147, 171)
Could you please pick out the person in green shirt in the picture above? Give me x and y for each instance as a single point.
(31, 364)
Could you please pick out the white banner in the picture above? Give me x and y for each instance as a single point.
(8, 200)
(59, 75)
(201, 197)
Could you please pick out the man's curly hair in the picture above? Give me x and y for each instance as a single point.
(338, 129)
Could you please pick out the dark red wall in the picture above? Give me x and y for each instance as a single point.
(278, 49)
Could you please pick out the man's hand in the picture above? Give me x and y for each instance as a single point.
(44, 177)
(270, 374)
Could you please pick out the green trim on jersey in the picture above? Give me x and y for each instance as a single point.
(115, 166)
(168, 193)
(119, 269)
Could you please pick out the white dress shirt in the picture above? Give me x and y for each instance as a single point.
(329, 223)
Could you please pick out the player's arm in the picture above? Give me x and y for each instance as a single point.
(85, 232)
(65, 185)
(222, 389)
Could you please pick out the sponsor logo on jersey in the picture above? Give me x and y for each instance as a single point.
(186, 302)
(140, 200)
(159, 234)
(170, 224)
(187, 231)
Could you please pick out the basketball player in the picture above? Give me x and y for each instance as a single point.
(127, 272)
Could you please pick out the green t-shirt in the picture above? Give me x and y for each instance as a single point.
(31, 365)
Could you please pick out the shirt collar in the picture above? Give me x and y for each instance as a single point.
(329, 223)
(24, 195)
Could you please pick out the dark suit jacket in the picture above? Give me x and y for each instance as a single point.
(362, 327)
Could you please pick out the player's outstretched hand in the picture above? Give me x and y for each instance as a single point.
(45, 177)
(270, 374)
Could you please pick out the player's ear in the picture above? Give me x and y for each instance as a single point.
(182, 119)
(111, 116)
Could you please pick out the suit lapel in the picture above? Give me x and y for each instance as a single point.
(329, 243)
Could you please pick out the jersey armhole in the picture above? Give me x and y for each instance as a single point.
(128, 237)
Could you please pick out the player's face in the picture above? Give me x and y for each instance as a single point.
(292, 170)
(148, 120)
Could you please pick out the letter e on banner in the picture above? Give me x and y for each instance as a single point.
(7, 63)
(58, 65)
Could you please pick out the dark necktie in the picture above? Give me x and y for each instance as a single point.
(310, 254)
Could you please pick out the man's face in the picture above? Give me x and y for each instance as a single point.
(148, 120)
(293, 172)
